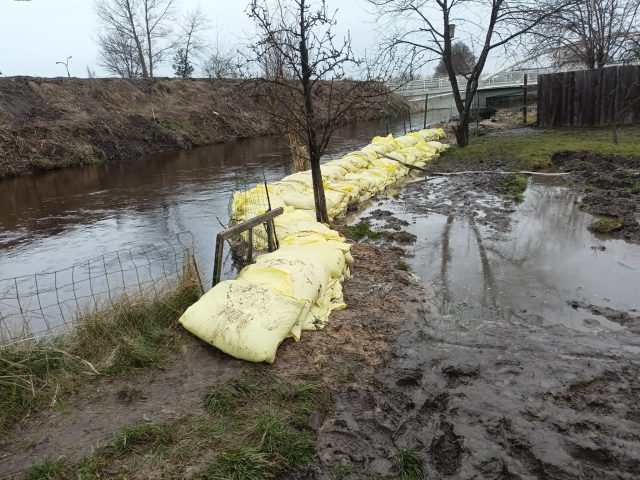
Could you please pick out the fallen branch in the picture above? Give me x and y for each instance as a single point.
(501, 172)
(466, 172)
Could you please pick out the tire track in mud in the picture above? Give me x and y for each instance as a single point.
(479, 395)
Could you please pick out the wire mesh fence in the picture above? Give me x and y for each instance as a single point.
(45, 303)
(249, 199)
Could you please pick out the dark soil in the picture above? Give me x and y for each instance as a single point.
(477, 394)
(611, 186)
(54, 123)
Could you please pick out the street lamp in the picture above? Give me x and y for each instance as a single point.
(66, 65)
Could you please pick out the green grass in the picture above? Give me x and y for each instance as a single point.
(513, 185)
(239, 463)
(254, 426)
(131, 334)
(402, 265)
(362, 230)
(261, 425)
(409, 464)
(139, 438)
(47, 470)
(605, 225)
(535, 151)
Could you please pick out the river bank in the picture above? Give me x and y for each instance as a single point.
(50, 123)
(201, 414)
(508, 368)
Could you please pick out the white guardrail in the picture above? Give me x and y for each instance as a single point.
(498, 80)
(441, 84)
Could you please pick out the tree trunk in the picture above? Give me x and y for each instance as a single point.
(318, 189)
(314, 153)
(462, 130)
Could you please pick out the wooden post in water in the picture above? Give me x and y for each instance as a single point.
(524, 110)
(426, 104)
(409, 115)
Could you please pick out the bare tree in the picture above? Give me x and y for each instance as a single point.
(462, 59)
(190, 42)
(300, 33)
(118, 54)
(156, 15)
(219, 64)
(423, 30)
(590, 33)
(120, 19)
(142, 23)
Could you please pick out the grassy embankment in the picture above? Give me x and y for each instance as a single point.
(534, 151)
(131, 334)
(49, 123)
(257, 425)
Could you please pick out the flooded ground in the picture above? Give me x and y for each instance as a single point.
(533, 262)
(531, 371)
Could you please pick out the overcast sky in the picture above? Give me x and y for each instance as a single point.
(35, 34)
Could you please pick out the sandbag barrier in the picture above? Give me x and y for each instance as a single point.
(296, 287)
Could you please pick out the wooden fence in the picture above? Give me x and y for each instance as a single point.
(590, 98)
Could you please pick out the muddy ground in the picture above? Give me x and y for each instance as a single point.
(609, 184)
(477, 394)
(49, 123)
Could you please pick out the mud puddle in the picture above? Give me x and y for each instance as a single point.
(535, 262)
(531, 371)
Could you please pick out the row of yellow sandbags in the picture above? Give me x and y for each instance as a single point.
(296, 287)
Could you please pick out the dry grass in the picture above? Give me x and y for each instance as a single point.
(54, 123)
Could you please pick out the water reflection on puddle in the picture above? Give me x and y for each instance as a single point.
(528, 273)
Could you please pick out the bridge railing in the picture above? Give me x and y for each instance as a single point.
(442, 84)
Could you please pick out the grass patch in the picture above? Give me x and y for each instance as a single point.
(361, 231)
(513, 185)
(606, 225)
(239, 463)
(409, 464)
(47, 470)
(140, 438)
(535, 151)
(274, 417)
(133, 333)
(402, 265)
(255, 426)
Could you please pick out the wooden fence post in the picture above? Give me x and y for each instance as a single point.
(524, 110)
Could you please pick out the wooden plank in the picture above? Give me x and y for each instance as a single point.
(237, 230)
(252, 222)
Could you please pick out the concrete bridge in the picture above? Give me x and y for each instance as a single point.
(441, 96)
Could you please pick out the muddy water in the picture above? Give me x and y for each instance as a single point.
(531, 371)
(526, 263)
(53, 220)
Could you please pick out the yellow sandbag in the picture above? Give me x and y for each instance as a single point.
(324, 254)
(244, 320)
(297, 287)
